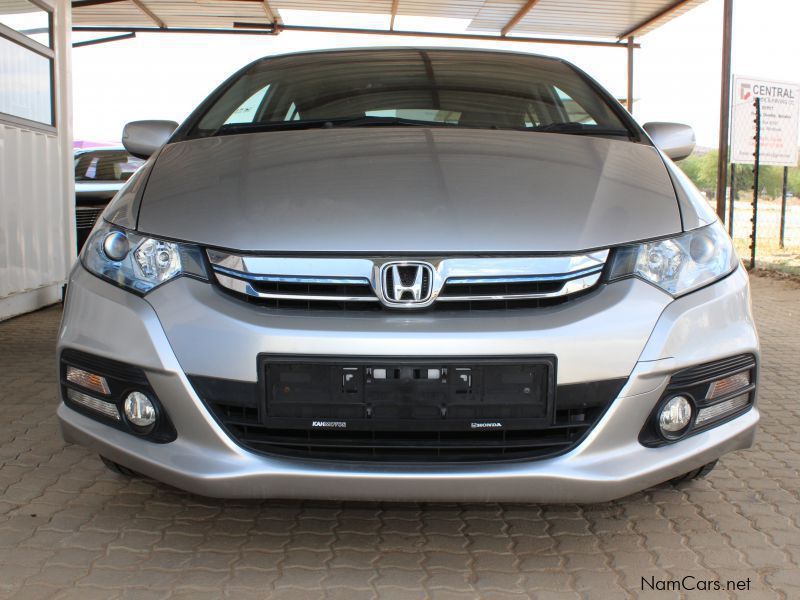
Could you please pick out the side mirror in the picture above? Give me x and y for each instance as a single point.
(674, 139)
(143, 138)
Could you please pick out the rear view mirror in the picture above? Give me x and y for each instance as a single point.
(143, 138)
(674, 139)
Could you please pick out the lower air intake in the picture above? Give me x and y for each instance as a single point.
(471, 411)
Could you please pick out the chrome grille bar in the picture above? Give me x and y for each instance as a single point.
(292, 279)
(524, 278)
(245, 287)
(346, 280)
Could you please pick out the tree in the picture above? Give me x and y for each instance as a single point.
(702, 170)
(794, 180)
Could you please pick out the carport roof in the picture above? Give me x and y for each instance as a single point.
(512, 18)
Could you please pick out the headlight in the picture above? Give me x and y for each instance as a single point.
(680, 264)
(136, 262)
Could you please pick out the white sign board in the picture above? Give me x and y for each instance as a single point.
(780, 118)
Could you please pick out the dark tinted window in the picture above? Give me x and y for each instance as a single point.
(106, 165)
(437, 87)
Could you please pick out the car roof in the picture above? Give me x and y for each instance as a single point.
(379, 49)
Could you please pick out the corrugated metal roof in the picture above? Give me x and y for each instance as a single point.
(571, 18)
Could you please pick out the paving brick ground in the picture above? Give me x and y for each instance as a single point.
(71, 529)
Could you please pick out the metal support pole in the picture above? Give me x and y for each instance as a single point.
(756, 165)
(783, 204)
(732, 203)
(724, 107)
(630, 75)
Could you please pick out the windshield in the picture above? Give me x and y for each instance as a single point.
(443, 88)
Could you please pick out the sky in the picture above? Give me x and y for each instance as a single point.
(677, 70)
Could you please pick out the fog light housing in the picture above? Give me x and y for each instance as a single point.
(140, 410)
(675, 417)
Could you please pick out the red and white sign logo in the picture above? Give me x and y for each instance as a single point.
(746, 91)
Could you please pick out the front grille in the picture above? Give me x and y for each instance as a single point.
(239, 407)
(85, 218)
(450, 284)
(412, 446)
(506, 288)
(312, 296)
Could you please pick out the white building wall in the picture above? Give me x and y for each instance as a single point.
(37, 206)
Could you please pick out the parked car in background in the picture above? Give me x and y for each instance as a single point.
(99, 174)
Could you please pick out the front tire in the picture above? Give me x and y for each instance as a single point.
(118, 468)
(696, 474)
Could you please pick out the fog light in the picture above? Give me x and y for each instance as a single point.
(87, 380)
(139, 410)
(108, 409)
(719, 411)
(674, 417)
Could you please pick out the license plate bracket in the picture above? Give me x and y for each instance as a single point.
(443, 394)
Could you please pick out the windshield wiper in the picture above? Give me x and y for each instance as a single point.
(360, 121)
(573, 128)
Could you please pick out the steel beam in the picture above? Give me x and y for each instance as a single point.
(82, 3)
(724, 107)
(113, 38)
(404, 33)
(100, 28)
(518, 16)
(630, 75)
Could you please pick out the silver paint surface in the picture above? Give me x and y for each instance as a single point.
(609, 464)
(409, 190)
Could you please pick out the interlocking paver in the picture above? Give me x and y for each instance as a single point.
(71, 529)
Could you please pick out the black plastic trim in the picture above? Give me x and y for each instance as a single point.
(237, 407)
(694, 383)
(122, 379)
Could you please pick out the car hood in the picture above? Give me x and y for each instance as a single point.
(409, 190)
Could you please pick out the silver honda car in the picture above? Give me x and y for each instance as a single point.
(409, 274)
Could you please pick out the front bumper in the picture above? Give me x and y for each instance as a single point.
(628, 329)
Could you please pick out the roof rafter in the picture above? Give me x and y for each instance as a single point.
(141, 6)
(395, 5)
(271, 13)
(506, 19)
(650, 21)
(520, 14)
